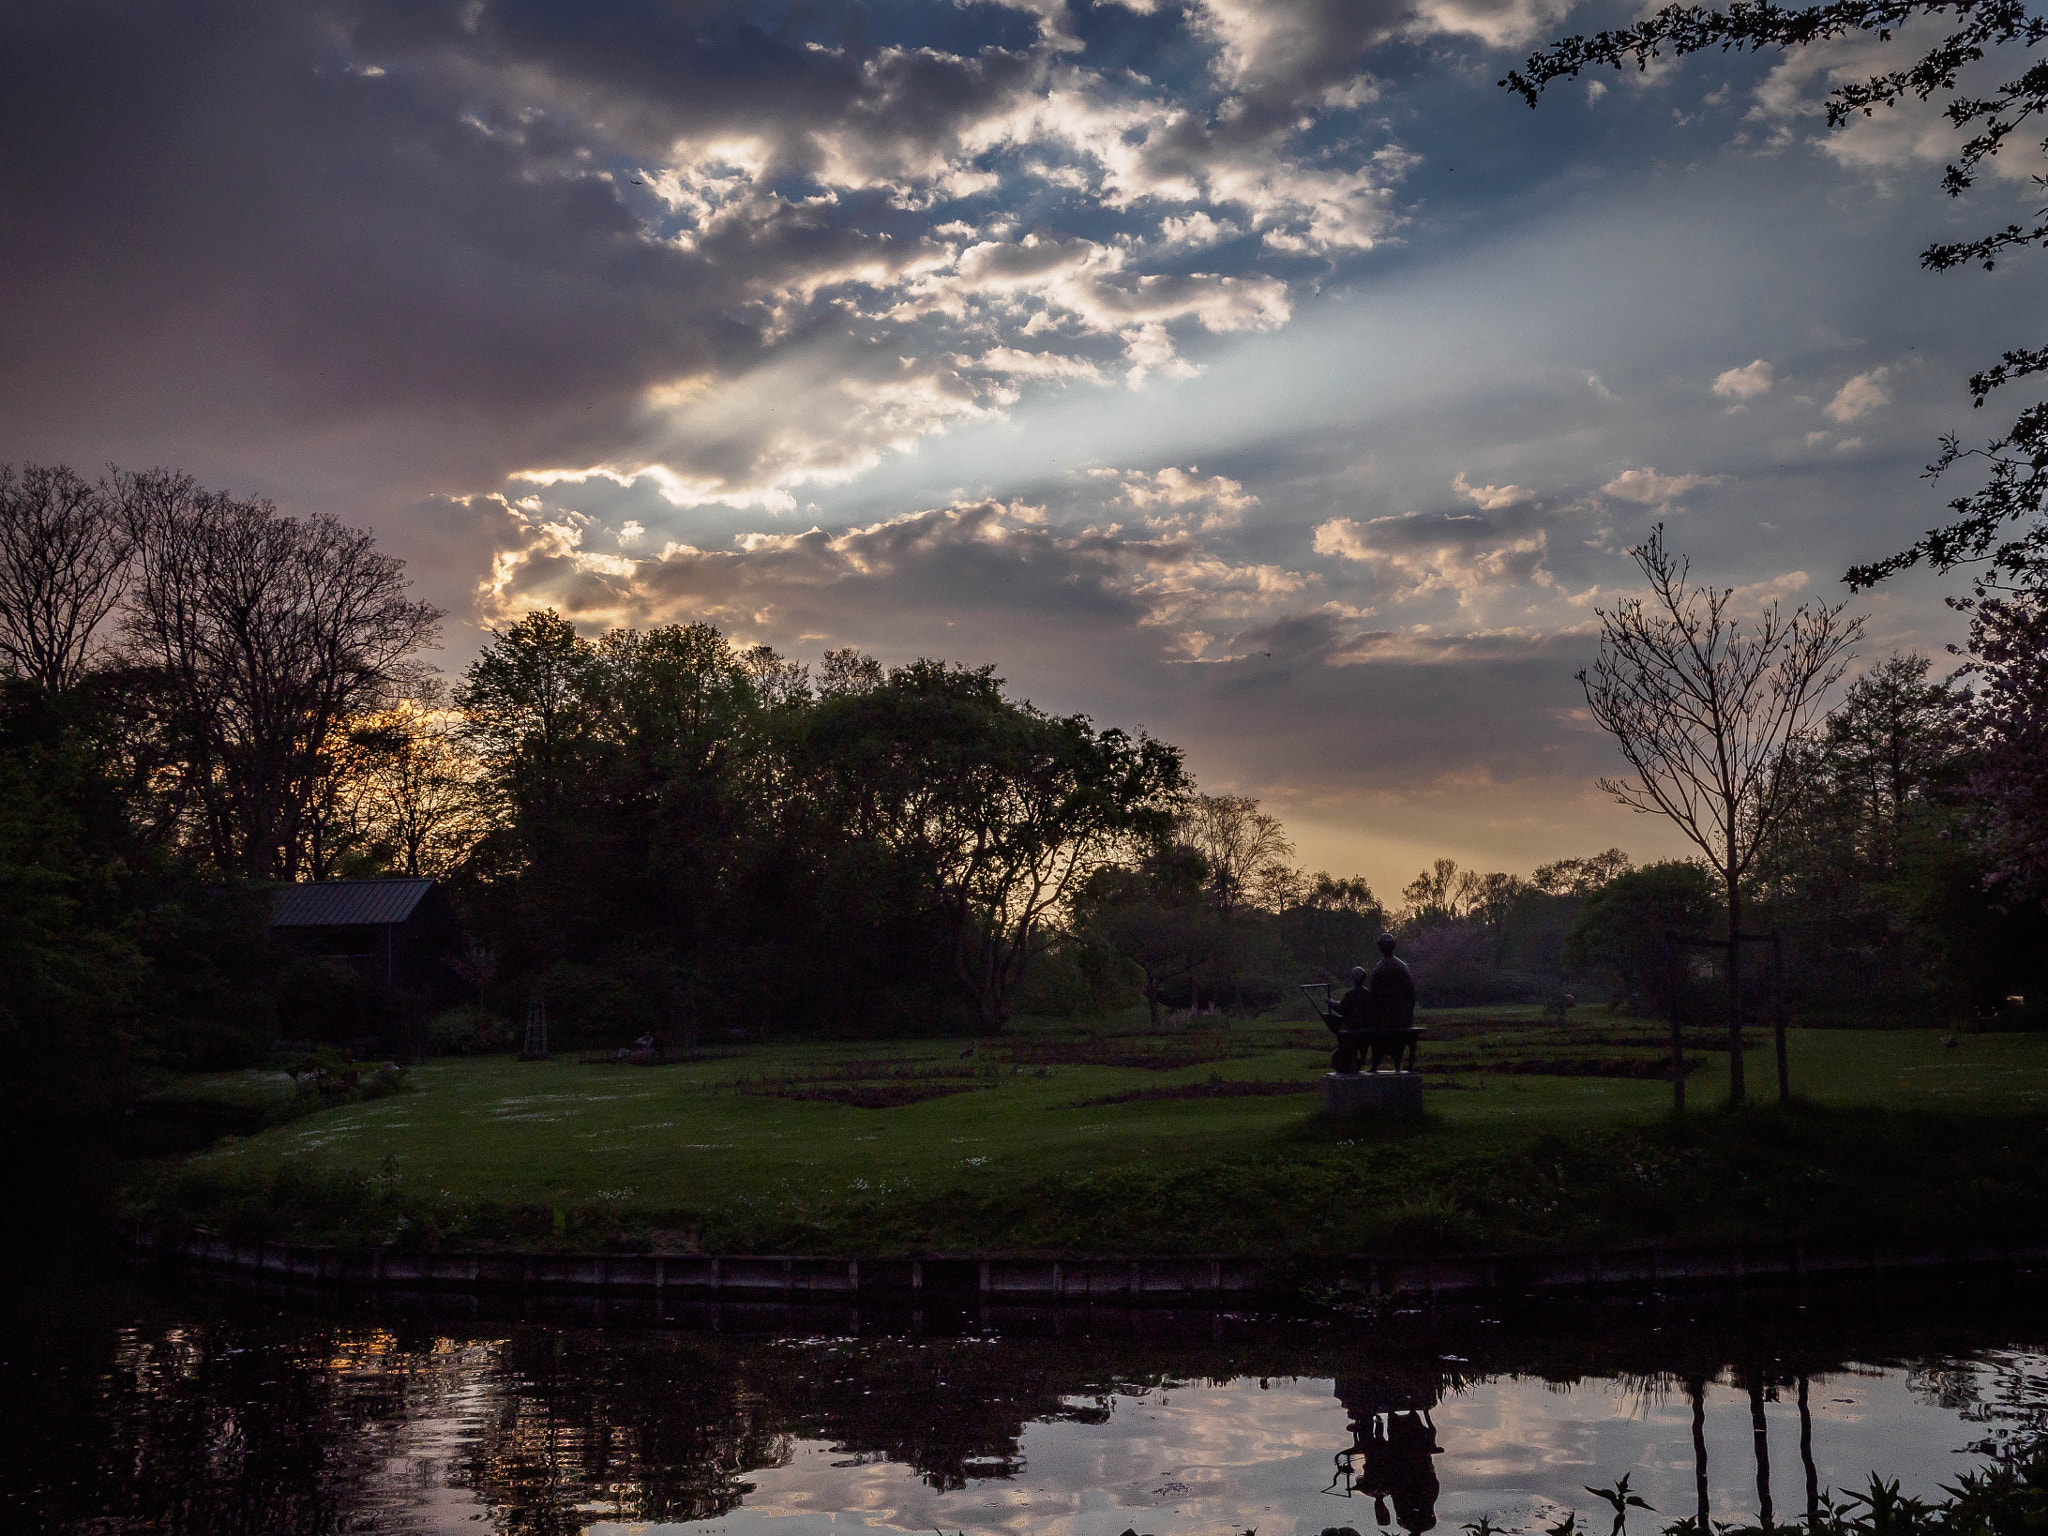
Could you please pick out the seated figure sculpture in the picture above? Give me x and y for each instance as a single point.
(1349, 1020)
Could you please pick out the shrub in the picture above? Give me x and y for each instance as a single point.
(1453, 966)
(468, 1031)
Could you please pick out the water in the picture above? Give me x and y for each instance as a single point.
(130, 1410)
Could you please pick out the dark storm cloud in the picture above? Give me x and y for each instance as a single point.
(212, 217)
(499, 234)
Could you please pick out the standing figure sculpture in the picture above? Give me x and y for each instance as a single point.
(1393, 1008)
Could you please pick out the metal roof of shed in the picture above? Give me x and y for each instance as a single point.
(347, 903)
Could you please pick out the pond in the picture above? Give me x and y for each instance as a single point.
(132, 1409)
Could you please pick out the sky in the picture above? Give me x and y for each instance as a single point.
(1257, 373)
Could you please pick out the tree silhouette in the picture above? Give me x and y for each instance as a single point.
(1708, 711)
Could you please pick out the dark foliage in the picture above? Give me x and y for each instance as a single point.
(685, 836)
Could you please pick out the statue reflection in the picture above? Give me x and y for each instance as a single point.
(1392, 1442)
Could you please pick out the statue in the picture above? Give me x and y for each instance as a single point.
(1349, 1020)
(1393, 1008)
(1375, 1020)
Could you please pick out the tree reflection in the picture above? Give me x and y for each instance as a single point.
(287, 1425)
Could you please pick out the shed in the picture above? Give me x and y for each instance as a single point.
(395, 933)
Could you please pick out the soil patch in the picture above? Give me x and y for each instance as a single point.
(1121, 1051)
(1259, 1090)
(1648, 1068)
(882, 1095)
(865, 1072)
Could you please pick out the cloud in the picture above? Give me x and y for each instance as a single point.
(1647, 486)
(1860, 396)
(1177, 498)
(1490, 498)
(1745, 383)
(987, 557)
(1459, 553)
(738, 258)
(1913, 134)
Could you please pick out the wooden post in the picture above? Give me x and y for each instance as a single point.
(1673, 976)
(1778, 1016)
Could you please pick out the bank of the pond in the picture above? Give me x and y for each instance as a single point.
(1805, 1175)
(679, 1288)
(1183, 1145)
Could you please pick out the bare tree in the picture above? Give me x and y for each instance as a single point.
(63, 551)
(406, 787)
(1709, 712)
(1248, 853)
(1241, 842)
(1580, 877)
(268, 633)
(1441, 894)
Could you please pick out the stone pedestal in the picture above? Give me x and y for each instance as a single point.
(1371, 1095)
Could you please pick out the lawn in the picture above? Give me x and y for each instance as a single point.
(1129, 1140)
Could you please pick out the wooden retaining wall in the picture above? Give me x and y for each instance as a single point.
(1123, 1282)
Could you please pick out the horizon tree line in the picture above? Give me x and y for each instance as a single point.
(664, 830)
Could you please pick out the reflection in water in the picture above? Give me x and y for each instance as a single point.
(1392, 1443)
(195, 1414)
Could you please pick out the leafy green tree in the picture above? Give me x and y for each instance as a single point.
(1331, 926)
(1621, 928)
(73, 974)
(1580, 877)
(2005, 720)
(994, 811)
(1843, 880)
(528, 707)
(1154, 915)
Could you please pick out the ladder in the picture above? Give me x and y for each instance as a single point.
(536, 1048)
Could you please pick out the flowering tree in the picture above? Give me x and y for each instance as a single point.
(2006, 721)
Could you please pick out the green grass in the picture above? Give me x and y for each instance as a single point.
(1894, 1132)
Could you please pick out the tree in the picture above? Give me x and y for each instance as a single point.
(268, 632)
(1622, 927)
(1001, 811)
(527, 711)
(846, 670)
(1331, 924)
(1246, 851)
(407, 788)
(1153, 915)
(1708, 712)
(1881, 751)
(1440, 895)
(1242, 845)
(1846, 878)
(64, 549)
(1580, 877)
(1495, 898)
(2016, 484)
(2005, 718)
